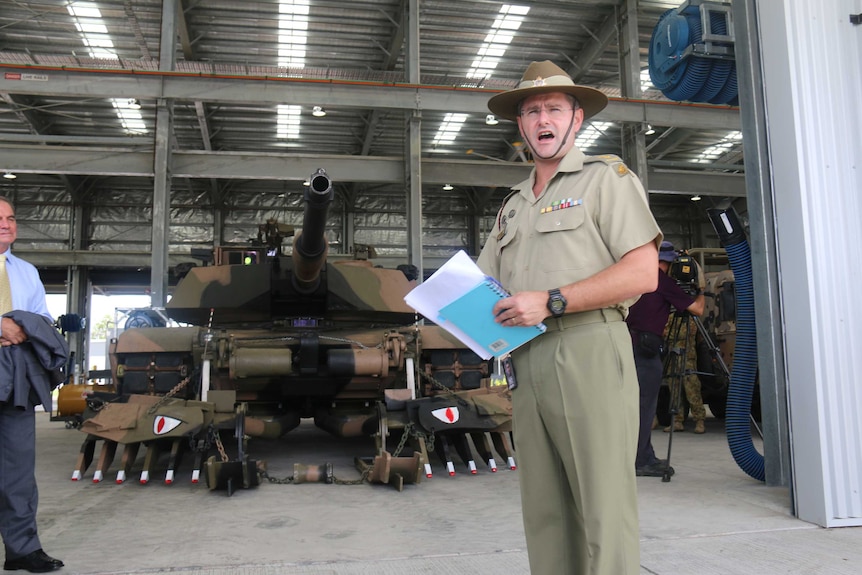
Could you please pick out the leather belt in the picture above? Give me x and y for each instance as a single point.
(571, 320)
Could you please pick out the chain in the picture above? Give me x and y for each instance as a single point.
(362, 478)
(410, 430)
(284, 481)
(442, 387)
(215, 439)
(168, 395)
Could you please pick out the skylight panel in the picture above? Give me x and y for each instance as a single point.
(97, 42)
(646, 81)
(718, 150)
(292, 41)
(588, 135)
(129, 115)
(91, 27)
(448, 131)
(497, 40)
(292, 32)
(287, 125)
(84, 10)
(94, 35)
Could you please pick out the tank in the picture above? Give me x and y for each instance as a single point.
(269, 340)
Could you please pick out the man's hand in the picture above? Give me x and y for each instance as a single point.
(524, 308)
(11, 333)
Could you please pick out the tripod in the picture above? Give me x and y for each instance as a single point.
(675, 369)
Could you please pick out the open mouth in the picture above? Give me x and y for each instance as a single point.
(545, 136)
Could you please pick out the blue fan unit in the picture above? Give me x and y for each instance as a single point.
(691, 55)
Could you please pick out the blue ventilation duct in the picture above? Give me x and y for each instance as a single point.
(691, 55)
(744, 371)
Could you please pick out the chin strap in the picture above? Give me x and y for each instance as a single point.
(563, 143)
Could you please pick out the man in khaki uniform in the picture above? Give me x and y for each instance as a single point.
(575, 244)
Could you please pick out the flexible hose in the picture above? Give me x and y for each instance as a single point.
(744, 370)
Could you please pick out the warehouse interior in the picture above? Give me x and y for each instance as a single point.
(137, 134)
(85, 139)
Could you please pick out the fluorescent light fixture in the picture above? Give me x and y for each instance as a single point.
(134, 104)
(9, 176)
(696, 198)
(649, 130)
(318, 112)
(491, 120)
(448, 187)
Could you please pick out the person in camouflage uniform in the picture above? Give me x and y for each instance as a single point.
(685, 339)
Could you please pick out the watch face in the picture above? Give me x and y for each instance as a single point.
(557, 305)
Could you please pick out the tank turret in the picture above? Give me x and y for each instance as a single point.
(301, 290)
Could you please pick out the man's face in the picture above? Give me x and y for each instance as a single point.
(8, 226)
(545, 123)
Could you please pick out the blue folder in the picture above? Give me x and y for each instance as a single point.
(472, 313)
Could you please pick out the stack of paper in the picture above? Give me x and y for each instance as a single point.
(460, 299)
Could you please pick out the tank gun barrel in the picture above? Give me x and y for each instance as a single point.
(310, 245)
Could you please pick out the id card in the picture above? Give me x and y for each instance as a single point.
(509, 372)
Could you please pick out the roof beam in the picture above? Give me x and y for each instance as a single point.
(183, 86)
(593, 50)
(295, 167)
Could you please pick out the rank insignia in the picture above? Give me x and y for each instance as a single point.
(622, 170)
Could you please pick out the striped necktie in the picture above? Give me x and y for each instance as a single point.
(5, 290)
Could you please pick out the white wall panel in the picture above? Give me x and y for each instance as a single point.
(812, 61)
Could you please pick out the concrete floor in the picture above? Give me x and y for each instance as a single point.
(710, 519)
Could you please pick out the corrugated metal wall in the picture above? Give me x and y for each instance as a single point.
(812, 61)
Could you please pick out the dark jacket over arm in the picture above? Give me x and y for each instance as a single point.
(25, 369)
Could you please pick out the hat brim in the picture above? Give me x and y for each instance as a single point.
(505, 104)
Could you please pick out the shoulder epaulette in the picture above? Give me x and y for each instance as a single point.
(611, 160)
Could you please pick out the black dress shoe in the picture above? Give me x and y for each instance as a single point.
(657, 468)
(36, 562)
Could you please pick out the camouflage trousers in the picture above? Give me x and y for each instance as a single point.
(690, 381)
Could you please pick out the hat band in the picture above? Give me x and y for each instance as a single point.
(552, 81)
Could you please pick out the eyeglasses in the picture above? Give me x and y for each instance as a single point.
(554, 112)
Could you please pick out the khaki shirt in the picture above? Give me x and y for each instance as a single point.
(592, 212)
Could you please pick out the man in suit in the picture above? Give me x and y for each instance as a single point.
(24, 383)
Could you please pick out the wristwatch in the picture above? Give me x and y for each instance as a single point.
(556, 303)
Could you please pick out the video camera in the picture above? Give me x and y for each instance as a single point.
(684, 271)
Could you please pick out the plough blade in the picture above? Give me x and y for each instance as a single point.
(106, 456)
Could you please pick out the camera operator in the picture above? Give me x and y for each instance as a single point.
(646, 321)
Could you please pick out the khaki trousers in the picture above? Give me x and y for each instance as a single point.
(575, 429)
